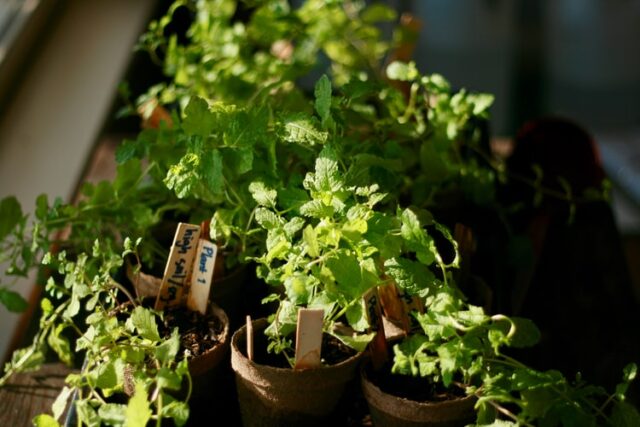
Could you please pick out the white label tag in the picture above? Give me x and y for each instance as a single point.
(202, 276)
(309, 338)
(178, 268)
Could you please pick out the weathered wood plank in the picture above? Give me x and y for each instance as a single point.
(29, 394)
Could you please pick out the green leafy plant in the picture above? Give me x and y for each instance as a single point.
(335, 247)
(130, 374)
(458, 344)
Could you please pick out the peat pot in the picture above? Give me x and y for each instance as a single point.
(388, 410)
(283, 397)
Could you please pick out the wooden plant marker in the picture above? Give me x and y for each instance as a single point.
(178, 267)
(378, 347)
(394, 307)
(202, 276)
(309, 338)
(249, 338)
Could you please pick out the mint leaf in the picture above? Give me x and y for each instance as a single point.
(179, 411)
(60, 344)
(413, 277)
(138, 412)
(144, 321)
(199, 120)
(322, 93)
(113, 414)
(110, 376)
(302, 129)
(169, 379)
(169, 348)
(212, 171)
(358, 342)
(60, 404)
(417, 239)
(262, 194)
(45, 420)
(347, 272)
(12, 300)
(10, 215)
(182, 177)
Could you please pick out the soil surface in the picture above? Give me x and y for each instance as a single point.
(198, 333)
(413, 388)
(333, 351)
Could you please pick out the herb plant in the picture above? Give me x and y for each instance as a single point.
(130, 375)
(335, 247)
(458, 344)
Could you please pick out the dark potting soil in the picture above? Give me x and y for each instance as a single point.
(413, 388)
(198, 333)
(333, 351)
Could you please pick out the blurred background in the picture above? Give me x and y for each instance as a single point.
(61, 62)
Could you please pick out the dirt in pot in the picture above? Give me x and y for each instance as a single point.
(333, 352)
(198, 333)
(418, 389)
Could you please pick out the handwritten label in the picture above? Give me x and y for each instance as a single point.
(202, 276)
(178, 268)
(378, 346)
(309, 338)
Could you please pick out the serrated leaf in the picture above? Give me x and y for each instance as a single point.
(212, 171)
(138, 411)
(199, 120)
(12, 300)
(169, 379)
(178, 411)
(267, 219)
(145, 323)
(411, 276)
(358, 342)
(347, 272)
(10, 215)
(113, 414)
(169, 348)
(263, 195)
(87, 414)
(322, 94)
(417, 239)
(300, 128)
(110, 376)
(357, 317)
(311, 241)
(60, 344)
(316, 209)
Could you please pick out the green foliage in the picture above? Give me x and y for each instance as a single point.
(330, 252)
(459, 343)
(88, 313)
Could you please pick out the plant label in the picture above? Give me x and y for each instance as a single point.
(309, 338)
(249, 338)
(378, 346)
(178, 269)
(202, 276)
(393, 306)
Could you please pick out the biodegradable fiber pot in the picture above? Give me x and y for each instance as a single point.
(271, 396)
(388, 410)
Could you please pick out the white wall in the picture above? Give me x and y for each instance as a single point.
(48, 129)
